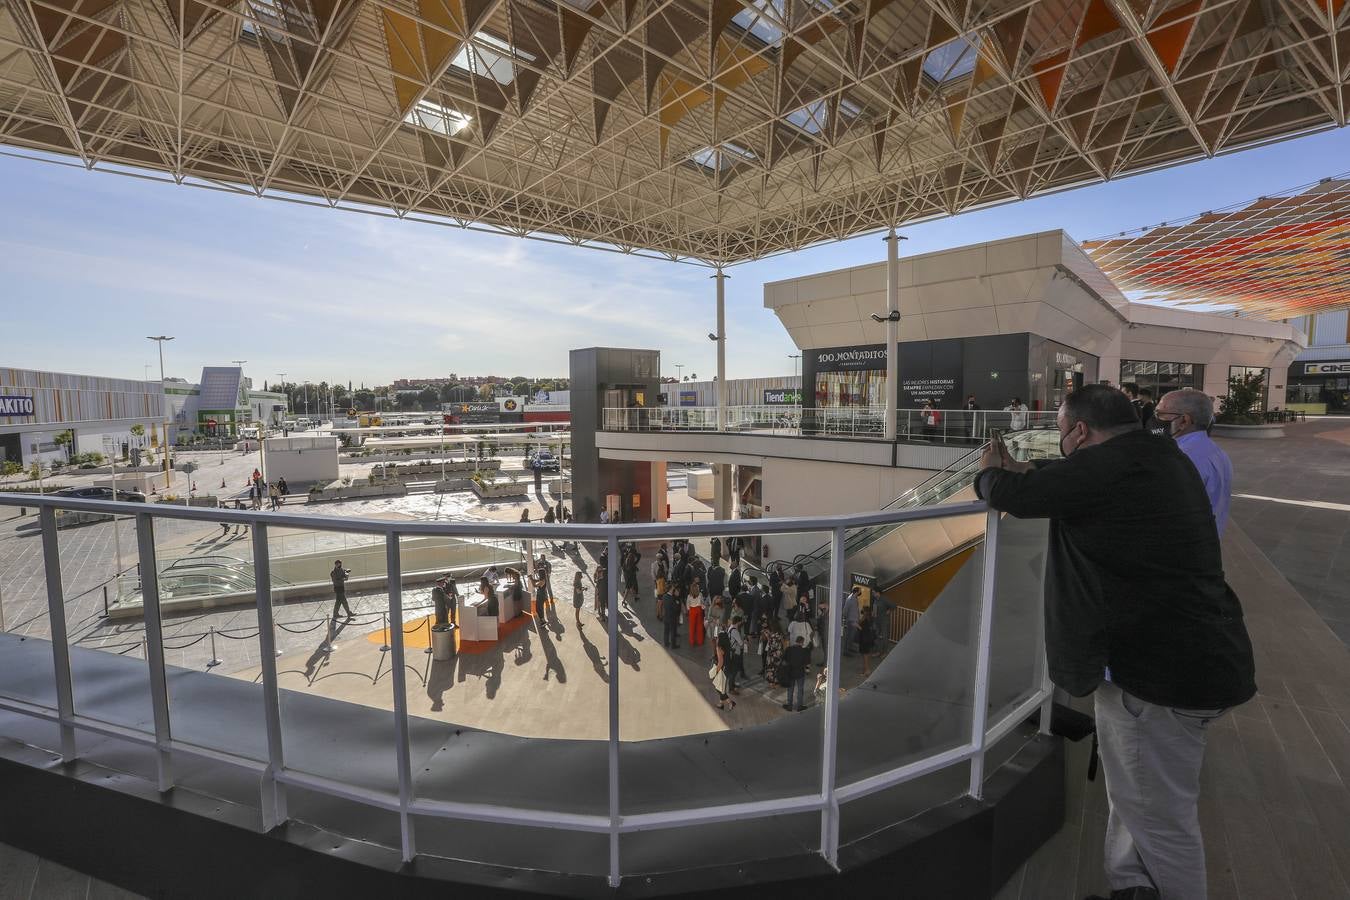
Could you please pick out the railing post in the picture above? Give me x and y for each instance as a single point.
(979, 712)
(829, 813)
(154, 647)
(273, 793)
(394, 569)
(56, 616)
(611, 601)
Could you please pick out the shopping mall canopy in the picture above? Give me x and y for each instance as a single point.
(1279, 257)
(712, 130)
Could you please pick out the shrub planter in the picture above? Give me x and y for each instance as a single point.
(1249, 432)
(354, 491)
(492, 490)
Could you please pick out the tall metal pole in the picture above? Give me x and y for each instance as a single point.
(892, 332)
(160, 339)
(721, 278)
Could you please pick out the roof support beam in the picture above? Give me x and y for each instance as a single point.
(26, 19)
(1125, 15)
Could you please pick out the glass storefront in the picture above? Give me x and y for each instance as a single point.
(1055, 370)
(1161, 377)
(836, 390)
(1319, 387)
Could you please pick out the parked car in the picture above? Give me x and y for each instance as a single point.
(544, 460)
(101, 493)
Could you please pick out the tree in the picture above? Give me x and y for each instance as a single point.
(430, 399)
(407, 401)
(138, 432)
(64, 440)
(364, 399)
(486, 391)
(1245, 402)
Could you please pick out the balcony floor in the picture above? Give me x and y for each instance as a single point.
(1275, 795)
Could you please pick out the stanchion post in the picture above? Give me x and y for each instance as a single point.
(214, 660)
(384, 618)
(105, 603)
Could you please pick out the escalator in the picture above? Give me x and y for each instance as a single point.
(899, 551)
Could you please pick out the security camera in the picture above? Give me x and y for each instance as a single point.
(712, 337)
(892, 316)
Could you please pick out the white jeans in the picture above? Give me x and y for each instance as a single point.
(1151, 757)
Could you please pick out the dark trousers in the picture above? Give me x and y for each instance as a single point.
(340, 600)
(670, 636)
(735, 669)
(797, 689)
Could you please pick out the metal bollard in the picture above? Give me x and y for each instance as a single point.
(105, 601)
(384, 617)
(214, 660)
(427, 623)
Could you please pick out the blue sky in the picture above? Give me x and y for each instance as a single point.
(91, 263)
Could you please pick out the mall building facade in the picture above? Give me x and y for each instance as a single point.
(1319, 378)
(36, 407)
(1031, 317)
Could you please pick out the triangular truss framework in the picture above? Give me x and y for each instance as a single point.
(1278, 257)
(710, 130)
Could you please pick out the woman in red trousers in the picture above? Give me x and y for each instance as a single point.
(694, 606)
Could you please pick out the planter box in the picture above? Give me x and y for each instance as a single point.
(352, 492)
(493, 490)
(208, 500)
(1249, 432)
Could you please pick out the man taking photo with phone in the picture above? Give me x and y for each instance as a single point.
(1157, 636)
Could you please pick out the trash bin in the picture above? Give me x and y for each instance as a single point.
(442, 642)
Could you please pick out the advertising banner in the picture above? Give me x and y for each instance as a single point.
(782, 397)
(16, 406)
(848, 359)
(1312, 368)
(689, 398)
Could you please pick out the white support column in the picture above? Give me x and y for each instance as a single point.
(892, 332)
(979, 714)
(721, 278)
(56, 624)
(154, 647)
(394, 570)
(829, 816)
(611, 604)
(273, 792)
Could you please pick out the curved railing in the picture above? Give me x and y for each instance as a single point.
(992, 680)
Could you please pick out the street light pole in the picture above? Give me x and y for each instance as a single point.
(159, 340)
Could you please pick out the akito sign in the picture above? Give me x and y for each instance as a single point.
(782, 397)
(16, 406)
(1327, 368)
(844, 359)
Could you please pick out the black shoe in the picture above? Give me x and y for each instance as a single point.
(787, 706)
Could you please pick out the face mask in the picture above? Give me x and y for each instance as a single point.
(1062, 451)
(1164, 428)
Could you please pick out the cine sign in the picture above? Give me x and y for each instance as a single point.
(1336, 368)
(16, 406)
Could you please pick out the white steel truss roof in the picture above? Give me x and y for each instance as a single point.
(711, 130)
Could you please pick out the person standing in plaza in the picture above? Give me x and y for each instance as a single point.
(1185, 415)
(798, 659)
(972, 408)
(717, 580)
(850, 619)
(734, 581)
(670, 603)
(601, 578)
(1155, 635)
(694, 608)
(715, 550)
(578, 594)
(736, 638)
(339, 577)
(1017, 418)
(734, 550)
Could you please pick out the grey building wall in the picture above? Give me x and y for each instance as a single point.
(592, 372)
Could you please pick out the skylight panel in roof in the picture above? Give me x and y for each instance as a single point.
(437, 118)
(764, 19)
(721, 157)
(490, 57)
(264, 12)
(952, 60)
(810, 118)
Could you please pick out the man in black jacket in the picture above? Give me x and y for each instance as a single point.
(1156, 633)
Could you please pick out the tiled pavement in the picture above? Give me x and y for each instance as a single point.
(1310, 546)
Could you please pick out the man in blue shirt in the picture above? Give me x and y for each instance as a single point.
(1187, 414)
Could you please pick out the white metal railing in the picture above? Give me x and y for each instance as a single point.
(275, 775)
(946, 426)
